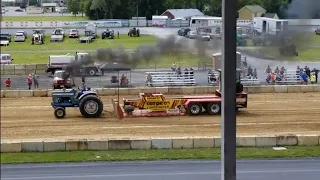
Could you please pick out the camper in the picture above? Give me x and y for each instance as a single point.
(159, 21)
(270, 26)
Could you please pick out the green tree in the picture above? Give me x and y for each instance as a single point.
(73, 6)
(82, 6)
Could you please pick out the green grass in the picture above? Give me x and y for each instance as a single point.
(136, 155)
(69, 44)
(43, 18)
(305, 54)
(184, 60)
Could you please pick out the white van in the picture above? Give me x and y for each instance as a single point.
(5, 59)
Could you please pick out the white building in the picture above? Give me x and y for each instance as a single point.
(205, 21)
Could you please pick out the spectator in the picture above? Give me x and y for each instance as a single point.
(191, 73)
(308, 72)
(245, 64)
(255, 74)
(282, 70)
(250, 71)
(35, 81)
(313, 78)
(273, 77)
(178, 71)
(316, 72)
(268, 70)
(149, 78)
(304, 78)
(277, 71)
(8, 83)
(174, 66)
(268, 78)
(186, 73)
(29, 81)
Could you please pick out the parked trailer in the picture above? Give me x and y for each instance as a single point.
(270, 26)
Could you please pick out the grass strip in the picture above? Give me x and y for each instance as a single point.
(148, 155)
(183, 60)
(72, 43)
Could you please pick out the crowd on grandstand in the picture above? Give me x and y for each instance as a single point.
(300, 75)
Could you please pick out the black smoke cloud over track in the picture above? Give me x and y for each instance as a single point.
(144, 53)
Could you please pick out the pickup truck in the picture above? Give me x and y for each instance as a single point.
(6, 36)
(4, 41)
(59, 83)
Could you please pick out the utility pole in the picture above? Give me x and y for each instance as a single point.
(137, 13)
(228, 82)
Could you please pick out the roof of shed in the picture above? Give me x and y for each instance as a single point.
(254, 8)
(181, 13)
(268, 15)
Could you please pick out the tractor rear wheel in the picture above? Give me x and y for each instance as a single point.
(91, 107)
(214, 108)
(194, 109)
(59, 112)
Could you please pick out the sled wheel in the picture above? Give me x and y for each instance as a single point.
(214, 108)
(91, 107)
(194, 109)
(59, 112)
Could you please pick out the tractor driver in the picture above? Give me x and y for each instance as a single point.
(79, 92)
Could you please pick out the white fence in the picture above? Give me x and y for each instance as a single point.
(170, 78)
(134, 22)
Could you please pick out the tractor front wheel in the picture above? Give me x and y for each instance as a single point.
(59, 112)
(91, 107)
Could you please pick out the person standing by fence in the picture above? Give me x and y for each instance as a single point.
(29, 81)
(8, 83)
(35, 81)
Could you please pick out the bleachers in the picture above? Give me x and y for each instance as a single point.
(290, 77)
(170, 78)
(247, 81)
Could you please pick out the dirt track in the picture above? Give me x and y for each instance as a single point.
(32, 118)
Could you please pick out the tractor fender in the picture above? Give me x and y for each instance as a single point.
(86, 94)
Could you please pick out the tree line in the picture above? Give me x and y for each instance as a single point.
(126, 9)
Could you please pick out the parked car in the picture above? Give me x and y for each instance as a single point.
(204, 36)
(192, 35)
(19, 37)
(317, 31)
(74, 33)
(6, 36)
(5, 59)
(183, 31)
(24, 33)
(58, 81)
(4, 41)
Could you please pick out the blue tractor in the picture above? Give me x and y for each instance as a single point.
(88, 102)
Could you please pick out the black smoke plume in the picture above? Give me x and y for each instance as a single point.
(145, 53)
